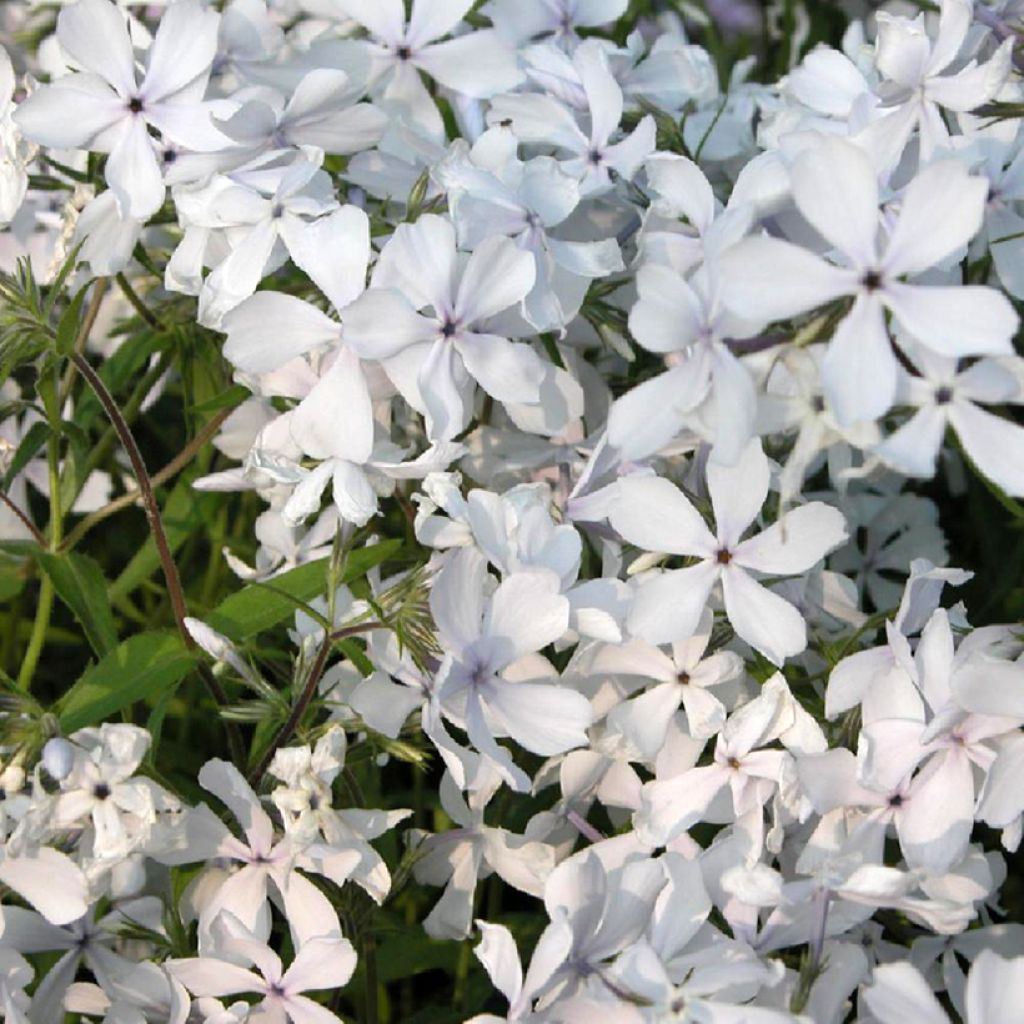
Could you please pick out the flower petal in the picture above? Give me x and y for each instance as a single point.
(334, 251)
(93, 33)
(183, 49)
(768, 279)
(271, 328)
(498, 275)
(766, 621)
(796, 542)
(994, 445)
(964, 320)
(668, 607)
(335, 420)
(859, 369)
(506, 370)
(652, 513)
(70, 112)
(738, 492)
(478, 64)
(133, 171)
(941, 212)
(835, 188)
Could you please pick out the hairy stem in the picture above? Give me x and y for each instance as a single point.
(99, 290)
(156, 526)
(145, 485)
(129, 411)
(301, 706)
(26, 522)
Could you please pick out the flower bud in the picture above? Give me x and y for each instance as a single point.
(12, 780)
(58, 758)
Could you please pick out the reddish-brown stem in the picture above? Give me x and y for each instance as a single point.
(29, 525)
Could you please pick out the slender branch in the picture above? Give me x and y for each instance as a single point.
(92, 311)
(129, 410)
(759, 343)
(44, 607)
(301, 706)
(137, 304)
(179, 462)
(29, 525)
(156, 525)
(173, 580)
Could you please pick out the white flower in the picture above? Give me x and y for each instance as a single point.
(433, 358)
(655, 515)
(834, 187)
(484, 641)
(107, 108)
(674, 804)
(684, 677)
(263, 861)
(491, 191)
(459, 857)
(945, 396)
(914, 65)
(99, 790)
(319, 963)
(477, 64)
(305, 804)
(539, 118)
(898, 993)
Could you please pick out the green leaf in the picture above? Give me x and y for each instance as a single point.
(255, 608)
(79, 583)
(234, 395)
(12, 579)
(67, 327)
(144, 667)
(409, 954)
(30, 444)
(56, 287)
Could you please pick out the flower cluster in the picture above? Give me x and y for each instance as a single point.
(578, 389)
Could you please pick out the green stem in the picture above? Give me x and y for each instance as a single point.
(137, 304)
(45, 607)
(39, 627)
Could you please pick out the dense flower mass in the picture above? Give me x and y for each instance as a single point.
(569, 413)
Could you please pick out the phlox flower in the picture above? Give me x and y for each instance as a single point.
(491, 680)
(476, 64)
(433, 358)
(538, 118)
(655, 515)
(108, 108)
(319, 963)
(834, 187)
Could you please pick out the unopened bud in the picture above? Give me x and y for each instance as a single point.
(58, 758)
(12, 780)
